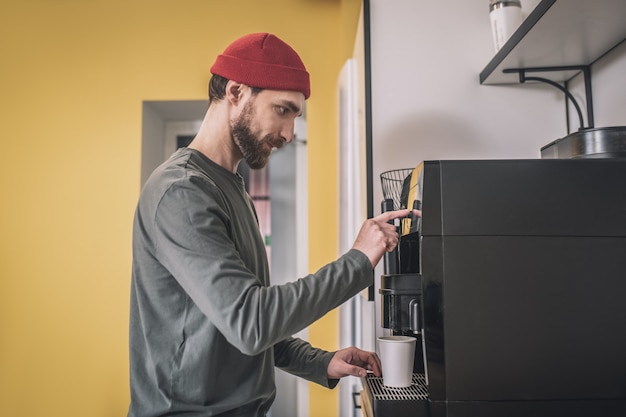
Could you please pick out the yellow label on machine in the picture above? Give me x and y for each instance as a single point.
(415, 193)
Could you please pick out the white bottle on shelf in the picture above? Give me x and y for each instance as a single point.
(506, 16)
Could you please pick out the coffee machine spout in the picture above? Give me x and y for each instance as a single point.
(414, 316)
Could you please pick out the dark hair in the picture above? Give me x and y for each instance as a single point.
(217, 88)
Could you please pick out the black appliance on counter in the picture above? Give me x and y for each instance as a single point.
(521, 287)
(598, 142)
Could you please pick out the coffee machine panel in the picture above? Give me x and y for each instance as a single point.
(523, 280)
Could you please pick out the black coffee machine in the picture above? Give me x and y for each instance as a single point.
(516, 278)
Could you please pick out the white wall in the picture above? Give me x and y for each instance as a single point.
(427, 102)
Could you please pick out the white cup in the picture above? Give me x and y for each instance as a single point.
(397, 354)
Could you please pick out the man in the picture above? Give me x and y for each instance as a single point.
(206, 326)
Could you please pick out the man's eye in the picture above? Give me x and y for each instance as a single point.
(281, 110)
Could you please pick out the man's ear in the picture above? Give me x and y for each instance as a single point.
(234, 92)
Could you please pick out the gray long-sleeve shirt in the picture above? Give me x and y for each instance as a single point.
(206, 327)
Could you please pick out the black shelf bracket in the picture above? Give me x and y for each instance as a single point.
(585, 69)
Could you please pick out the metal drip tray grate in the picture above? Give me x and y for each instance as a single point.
(378, 400)
(417, 391)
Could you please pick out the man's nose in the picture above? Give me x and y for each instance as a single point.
(287, 133)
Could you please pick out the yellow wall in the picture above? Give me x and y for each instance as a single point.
(73, 75)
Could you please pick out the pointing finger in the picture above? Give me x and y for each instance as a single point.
(390, 215)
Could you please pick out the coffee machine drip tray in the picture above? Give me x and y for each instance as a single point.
(378, 400)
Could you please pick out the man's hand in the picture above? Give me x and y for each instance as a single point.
(377, 236)
(353, 361)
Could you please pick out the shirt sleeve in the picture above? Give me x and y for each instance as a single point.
(193, 241)
(299, 358)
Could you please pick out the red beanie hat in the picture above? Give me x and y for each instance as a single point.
(262, 60)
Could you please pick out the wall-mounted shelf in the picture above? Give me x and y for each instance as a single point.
(560, 33)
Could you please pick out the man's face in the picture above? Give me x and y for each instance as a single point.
(266, 122)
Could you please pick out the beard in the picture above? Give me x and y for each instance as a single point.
(254, 150)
